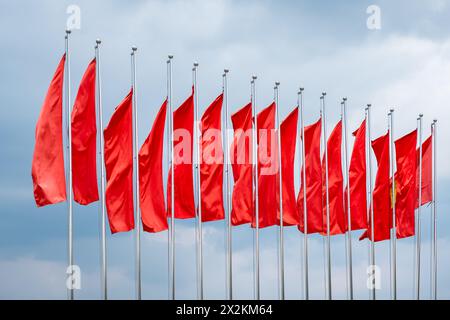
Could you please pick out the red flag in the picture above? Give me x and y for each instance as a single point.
(427, 167)
(357, 180)
(288, 135)
(47, 168)
(381, 192)
(241, 162)
(338, 222)
(119, 167)
(183, 126)
(211, 166)
(84, 144)
(267, 168)
(151, 189)
(313, 181)
(405, 178)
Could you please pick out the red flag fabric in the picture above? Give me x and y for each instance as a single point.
(405, 178)
(381, 192)
(267, 169)
(119, 167)
(241, 163)
(427, 167)
(47, 167)
(338, 222)
(183, 126)
(313, 170)
(151, 188)
(84, 143)
(357, 180)
(211, 166)
(288, 136)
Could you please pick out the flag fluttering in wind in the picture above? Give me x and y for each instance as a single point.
(357, 180)
(338, 222)
(84, 140)
(288, 135)
(241, 162)
(47, 168)
(427, 180)
(151, 188)
(405, 184)
(119, 167)
(211, 166)
(381, 192)
(313, 186)
(268, 184)
(183, 128)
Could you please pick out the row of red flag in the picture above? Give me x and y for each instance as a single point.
(50, 184)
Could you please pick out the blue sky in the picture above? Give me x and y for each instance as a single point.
(322, 46)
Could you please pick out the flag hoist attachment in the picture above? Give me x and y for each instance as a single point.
(348, 237)
(104, 270)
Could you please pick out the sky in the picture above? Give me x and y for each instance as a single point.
(321, 46)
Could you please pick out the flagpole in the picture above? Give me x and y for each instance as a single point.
(228, 192)
(136, 164)
(370, 198)
(70, 293)
(281, 234)
(255, 184)
(349, 216)
(418, 228)
(305, 215)
(197, 139)
(168, 141)
(328, 242)
(433, 208)
(172, 190)
(104, 270)
(393, 197)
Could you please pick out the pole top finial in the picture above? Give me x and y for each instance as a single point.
(434, 120)
(324, 94)
(195, 64)
(421, 115)
(277, 83)
(170, 56)
(254, 77)
(226, 71)
(134, 48)
(391, 110)
(302, 89)
(98, 41)
(344, 99)
(68, 31)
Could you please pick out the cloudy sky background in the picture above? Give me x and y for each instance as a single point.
(322, 46)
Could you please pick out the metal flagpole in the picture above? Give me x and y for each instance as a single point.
(418, 229)
(104, 270)
(70, 293)
(328, 242)
(433, 208)
(228, 192)
(168, 141)
(370, 199)
(172, 190)
(255, 184)
(281, 235)
(305, 211)
(349, 216)
(393, 201)
(197, 138)
(136, 177)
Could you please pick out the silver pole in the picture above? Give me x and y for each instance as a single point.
(370, 198)
(197, 138)
(281, 235)
(172, 191)
(70, 293)
(328, 242)
(349, 216)
(255, 183)
(136, 164)
(228, 192)
(433, 208)
(393, 197)
(305, 211)
(418, 228)
(104, 270)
